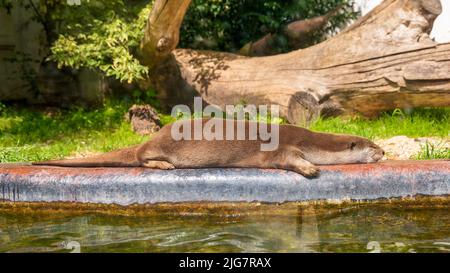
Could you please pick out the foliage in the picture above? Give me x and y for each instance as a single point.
(105, 34)
(96, 34)
(227, 25)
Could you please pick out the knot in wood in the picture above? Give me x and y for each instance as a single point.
(163, 44)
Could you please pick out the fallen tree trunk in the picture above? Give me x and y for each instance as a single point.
(385, 60)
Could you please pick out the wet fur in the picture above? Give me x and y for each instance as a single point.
(299, 151)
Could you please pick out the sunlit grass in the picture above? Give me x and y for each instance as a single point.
(419, 123)
(437, 151)
(32, 136)
(27, 135)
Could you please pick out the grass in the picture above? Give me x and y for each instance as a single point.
(420, 123)
(430, 151)
(31, 135)
(27, 135)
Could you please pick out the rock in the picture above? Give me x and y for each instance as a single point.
(144, 119)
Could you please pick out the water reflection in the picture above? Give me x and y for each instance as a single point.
(354, 229)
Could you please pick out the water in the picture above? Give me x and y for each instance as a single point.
(354, 229)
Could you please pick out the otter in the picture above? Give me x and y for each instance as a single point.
(299, 150)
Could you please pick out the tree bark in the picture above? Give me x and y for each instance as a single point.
(161, 37)
(383, 61)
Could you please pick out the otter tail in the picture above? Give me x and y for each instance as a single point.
(119, 158)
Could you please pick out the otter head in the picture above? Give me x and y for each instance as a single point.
(342, 149)
(361, 150)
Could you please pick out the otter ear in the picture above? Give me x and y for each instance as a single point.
(352, 145)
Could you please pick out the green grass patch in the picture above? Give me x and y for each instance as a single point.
(419, 123)
(430, 151)
(29, 135)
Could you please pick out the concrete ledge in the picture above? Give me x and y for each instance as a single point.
(127, 186)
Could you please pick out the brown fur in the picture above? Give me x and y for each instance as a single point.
(299, 149)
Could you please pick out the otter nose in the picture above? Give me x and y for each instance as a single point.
(383, 152)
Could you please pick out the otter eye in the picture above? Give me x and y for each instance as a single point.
(352, 145)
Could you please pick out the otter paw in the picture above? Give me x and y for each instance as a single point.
(166, 166)
(162, 165)
(309, 171)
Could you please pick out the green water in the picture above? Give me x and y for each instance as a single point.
(352, 230)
